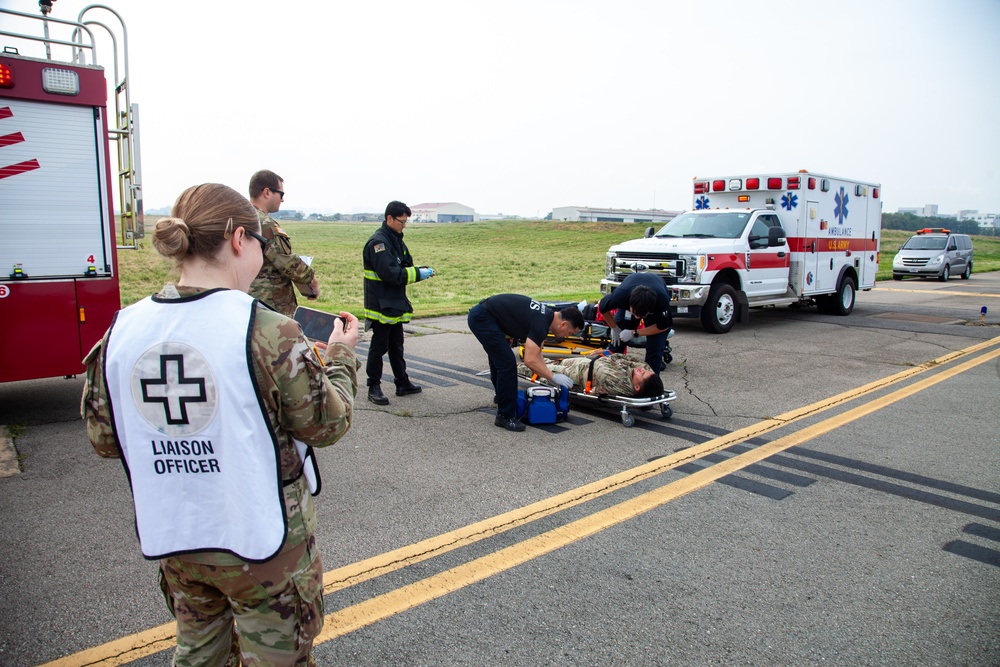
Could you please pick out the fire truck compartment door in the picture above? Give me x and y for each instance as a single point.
(52, 163)
(39, 340)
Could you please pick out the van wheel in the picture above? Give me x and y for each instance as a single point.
(968, 271)
(842, 303)
(719, 313)
(945, 273)
(896, 276)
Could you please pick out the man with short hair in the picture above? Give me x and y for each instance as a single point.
(388, 270)
(282, 268)
(611, 375)
(500, 322)
(642, 297)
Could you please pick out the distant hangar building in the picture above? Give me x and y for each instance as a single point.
(587, 214)
(443, 212)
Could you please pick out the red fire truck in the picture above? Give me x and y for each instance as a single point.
(58, 248)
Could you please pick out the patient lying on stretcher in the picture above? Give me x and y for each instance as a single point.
(614, 375)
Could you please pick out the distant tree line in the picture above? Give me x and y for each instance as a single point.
(911, 223)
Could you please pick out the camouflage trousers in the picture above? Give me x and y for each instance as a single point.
(277, 607)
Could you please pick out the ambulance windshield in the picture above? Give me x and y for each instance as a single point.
(721, 224)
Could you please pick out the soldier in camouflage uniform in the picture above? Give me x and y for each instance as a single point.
(283, 271)
(614, 375)
(275, 604)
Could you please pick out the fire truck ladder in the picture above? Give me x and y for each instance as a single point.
(125, 132)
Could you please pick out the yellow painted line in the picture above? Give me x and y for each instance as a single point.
(123, 651)
(940, 291)
(355, 573)
(407, 597)
(160, 638)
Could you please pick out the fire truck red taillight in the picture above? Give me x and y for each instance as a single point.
(6, 76)
(774, 183)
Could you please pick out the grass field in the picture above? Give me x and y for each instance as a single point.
(548, 260)
(544, 259)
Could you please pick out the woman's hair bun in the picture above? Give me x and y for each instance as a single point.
(172, 237)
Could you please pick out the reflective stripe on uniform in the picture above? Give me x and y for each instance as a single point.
(385, 319)
(411, 275)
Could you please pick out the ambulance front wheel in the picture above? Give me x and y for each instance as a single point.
(719, 314)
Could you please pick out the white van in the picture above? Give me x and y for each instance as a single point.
(934, 252)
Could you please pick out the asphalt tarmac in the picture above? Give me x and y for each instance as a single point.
(827, 491)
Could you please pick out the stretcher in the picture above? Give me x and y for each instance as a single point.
(626, 403)
(595, 336)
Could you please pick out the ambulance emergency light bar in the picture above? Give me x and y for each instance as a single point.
(772, 183)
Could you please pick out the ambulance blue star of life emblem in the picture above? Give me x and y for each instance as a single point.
(789, 201)
(701, 203)
(840, 210)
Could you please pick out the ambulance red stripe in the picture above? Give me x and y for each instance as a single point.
(831, 244)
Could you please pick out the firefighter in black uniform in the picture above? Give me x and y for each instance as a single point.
(388, 270)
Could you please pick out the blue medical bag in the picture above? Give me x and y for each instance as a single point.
(542, 405)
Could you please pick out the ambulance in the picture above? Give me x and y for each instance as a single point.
(761, 240)
(59, 284)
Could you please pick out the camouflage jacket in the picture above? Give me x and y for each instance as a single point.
(612, 374)
(282, 269)
(305, 398)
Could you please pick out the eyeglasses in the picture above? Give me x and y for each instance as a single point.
(280, 193)
(260, 239)
(402, 220)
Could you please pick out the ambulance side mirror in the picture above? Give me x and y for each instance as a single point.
(775, 236)
(649, 233)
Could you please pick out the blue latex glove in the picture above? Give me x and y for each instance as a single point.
(562, 380)
(425, 272)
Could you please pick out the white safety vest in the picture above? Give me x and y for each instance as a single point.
(198, 448)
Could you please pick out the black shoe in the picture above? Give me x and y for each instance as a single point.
(407, 389)
(509, 423)
(376, 396)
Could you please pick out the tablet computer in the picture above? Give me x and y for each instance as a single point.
(316, 325)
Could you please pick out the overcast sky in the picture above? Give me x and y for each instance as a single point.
(520, 106)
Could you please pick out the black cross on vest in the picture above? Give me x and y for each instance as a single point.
(173, 389)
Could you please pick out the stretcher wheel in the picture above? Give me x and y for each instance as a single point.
(666, 411)
(627, 420)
